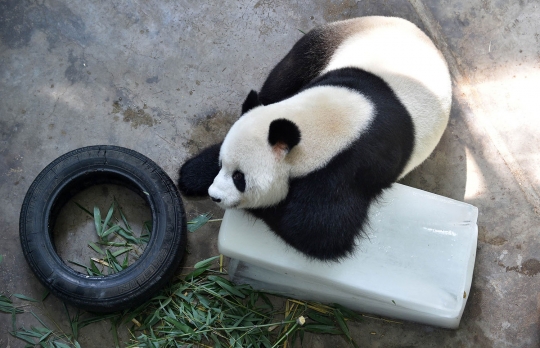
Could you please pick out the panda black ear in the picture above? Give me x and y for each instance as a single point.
(283, 135)
(252, 101)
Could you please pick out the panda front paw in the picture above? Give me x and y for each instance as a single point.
(198, 173)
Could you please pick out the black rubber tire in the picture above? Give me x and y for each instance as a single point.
(76, 171)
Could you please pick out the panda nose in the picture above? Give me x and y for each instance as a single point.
(217, 200)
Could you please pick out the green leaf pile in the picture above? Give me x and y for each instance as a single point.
(200, 309)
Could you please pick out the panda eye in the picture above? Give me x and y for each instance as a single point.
(239, 181)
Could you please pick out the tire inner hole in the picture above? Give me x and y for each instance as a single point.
(75, 235)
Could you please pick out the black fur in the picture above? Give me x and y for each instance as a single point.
(252, 101)
(305, 61)
(384, 150)
(198, 173)
(301, 65)
(326, 210)
(239, 181)
(284, 131)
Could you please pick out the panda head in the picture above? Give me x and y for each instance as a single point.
(254, 170)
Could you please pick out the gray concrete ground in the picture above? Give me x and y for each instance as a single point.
(167, 78)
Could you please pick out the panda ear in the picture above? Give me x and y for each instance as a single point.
(283, 135)
(252, 101)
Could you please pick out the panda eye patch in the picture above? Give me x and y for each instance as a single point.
(239, 180)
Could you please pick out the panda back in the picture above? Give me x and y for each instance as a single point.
(406, 59)
(304, 62)
(393, 49)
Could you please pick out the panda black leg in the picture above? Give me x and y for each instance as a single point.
(198, 173)
(303, 63)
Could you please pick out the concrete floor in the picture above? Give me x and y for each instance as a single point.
(167, 78)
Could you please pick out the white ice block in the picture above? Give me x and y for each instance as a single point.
(416, 263)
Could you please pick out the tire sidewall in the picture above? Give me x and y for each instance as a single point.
(140, 280)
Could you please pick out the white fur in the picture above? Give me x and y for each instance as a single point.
(314, 111)
(405, 58)
(392, 48)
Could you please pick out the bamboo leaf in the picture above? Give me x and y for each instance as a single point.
(20, 336)
(60, 345)
(94, 268)
(341, 322)
(84, 209)
(114, 327)
(347, 312)
(123, 218)
(116, 244)
(110, 230)
(41, 321)
(266, 300)
(108, 217)
(114, 261)
(195, 274)
(204, 301)
(109, 263)
(26, 298)
(148, 226)
(227, 286)
(29, 333)
(96, 248)
(319, 328)
(266, 342)
(206, 263)
(45, 295)
(301, 334)
(4, 298)
(97, 220)
(216, 341)
(40, 330)
(198, 222)
(125, 264)
(110, 256)
(45, 335)
(9, 308)
(182, 327)
(319, 318)
(121, 251)
(117, 266)
(127, 235)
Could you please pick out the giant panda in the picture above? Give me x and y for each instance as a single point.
(353, 107)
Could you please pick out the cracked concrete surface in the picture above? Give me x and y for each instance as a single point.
(168, 78)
